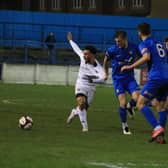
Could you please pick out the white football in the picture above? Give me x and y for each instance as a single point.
(26, 122)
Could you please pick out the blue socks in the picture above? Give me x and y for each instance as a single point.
(132, 103)
(123, 114)
(162, 115)
(148, 114)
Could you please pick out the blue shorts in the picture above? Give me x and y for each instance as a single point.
(155, 89)
(125, 85)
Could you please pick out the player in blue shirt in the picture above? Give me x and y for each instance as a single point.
(166, 45)
(154, 53)
(123, 53)
(155, 102)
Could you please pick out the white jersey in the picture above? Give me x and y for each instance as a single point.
(86, 69)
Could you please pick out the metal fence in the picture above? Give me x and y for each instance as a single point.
(25, 42)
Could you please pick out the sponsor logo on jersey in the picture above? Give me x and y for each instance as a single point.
(117, 90)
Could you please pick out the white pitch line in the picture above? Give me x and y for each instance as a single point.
(156, 165)
(120, 165)
(108, 165)
(7, 102)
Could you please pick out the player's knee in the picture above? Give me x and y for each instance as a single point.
(142, 101)
(135, 98)
(81, 100)
(122, 103)
(140, 105)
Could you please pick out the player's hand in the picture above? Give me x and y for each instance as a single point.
(125, 67)
(69, 36)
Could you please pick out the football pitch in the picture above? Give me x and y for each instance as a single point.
(53, 144)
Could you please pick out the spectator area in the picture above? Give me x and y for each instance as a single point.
(25, 32)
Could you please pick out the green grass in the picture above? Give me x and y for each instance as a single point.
(53, 144)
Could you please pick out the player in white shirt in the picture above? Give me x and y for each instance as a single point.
(90, 73)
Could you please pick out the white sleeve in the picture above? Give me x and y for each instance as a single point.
(99, 75)
(98, 81)
(100, 78)
(76, 49)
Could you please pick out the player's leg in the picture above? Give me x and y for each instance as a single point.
(160, 104)
(149, 91)
(84, 97)
(71, 116)
(148, 114)
(88, 101)
(134, 89)
(123, 113)
(158, 130)
(132, 104)
(155, 103)
(84, 105)
(162, 113)
(120, 93)
(81, 97)
(81, 111)
(166, 103)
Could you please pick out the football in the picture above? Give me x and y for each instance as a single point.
(25, 122)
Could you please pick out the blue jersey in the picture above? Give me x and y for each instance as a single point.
(122, 56)
(158, 65)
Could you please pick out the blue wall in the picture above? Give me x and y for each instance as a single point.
(21, 27)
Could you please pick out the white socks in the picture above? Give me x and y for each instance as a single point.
(124, 125)
(83, 118)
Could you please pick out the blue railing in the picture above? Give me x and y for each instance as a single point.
(29, 29)
(16, 35)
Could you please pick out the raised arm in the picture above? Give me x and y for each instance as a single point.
(74, 46)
